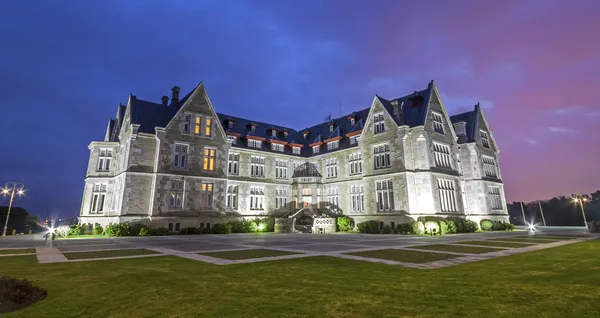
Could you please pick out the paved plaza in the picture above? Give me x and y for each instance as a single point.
(302, 245)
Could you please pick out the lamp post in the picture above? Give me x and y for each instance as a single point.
(580, 200)
(11, 187)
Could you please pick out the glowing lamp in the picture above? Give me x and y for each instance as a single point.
(531, 227)
(261, 226)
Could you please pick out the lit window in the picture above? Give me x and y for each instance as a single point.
(180, 156)
(315, 149)
(331, 165)
(187, 123)
(233, 164)
(307, 191)
(281, 169)
(98, 198)
(233, 139)
(208, 128)
(209, 159)
(447, 193)
(273, 132)
(333, 197)
(280, 198)
(257, 167)
(207, 195)
(176, 198)
(333, 145)
(489, 167)
(485, 141)
(442, 155)
(256, 198)
(379, 123)
(104, 159)
(358, 198)
(495, 198)
(438, 124)
(277, 147)
(254, 143)
(296, 150)
(382, 156)
(354, 140)
(197, 125)
(232, 196)
(385, 195)
(355, 163)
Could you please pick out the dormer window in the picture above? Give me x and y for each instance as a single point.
(273, 132)
(352, 121)
(353, 140)
(305, 134)
(253, 128)
(285, 133)
(296, 150)
(315, 149)
(333, 145)
(485, 140)
(230, 124)
(331, 128)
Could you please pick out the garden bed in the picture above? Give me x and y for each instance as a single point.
(17, 294)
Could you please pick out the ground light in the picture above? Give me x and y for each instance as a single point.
(531, 227)
(261, 227)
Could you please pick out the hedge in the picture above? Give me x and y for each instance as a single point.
(486, 225)
(368, 227)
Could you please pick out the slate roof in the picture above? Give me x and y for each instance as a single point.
(150, 115)
(470, 118)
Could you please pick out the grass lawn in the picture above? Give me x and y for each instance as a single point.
(82, 237)
(405, 255)
(524, 240)
(556, 282)
(18, 251)
(113, 253)
(498, 244)
(457, 249)
(549, 237)
(245, 254)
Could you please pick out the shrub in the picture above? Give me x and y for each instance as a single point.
(241, 226)
(17, 294)
(386, 229)
(220, 228)
(159, 231)
(14, 232)
(486, 225)
(510, 227)
(404, 228)
(144, 231)
(594, 226)
(431, 227)
(75, 230)
(203, 230)
(418, 228)
(369, 227)
(98, 230)
(450, 226)
(344, 223)
(117, 230)
(463, 225)
(187, 231)
(470, 226)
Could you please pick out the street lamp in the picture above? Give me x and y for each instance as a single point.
(581, 200)
(11, 187)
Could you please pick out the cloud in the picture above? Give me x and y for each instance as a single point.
(560, 130)
(531, 141)
(594, 113)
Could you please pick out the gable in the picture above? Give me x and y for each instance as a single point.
(377, 108)
(436, 111)
(481, 123)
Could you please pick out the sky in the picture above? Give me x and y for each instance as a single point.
(533, 65)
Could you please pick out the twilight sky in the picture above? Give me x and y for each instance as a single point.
(65, 65)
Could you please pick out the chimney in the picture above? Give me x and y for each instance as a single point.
(175, 94)
(461, 131)
(165, 100)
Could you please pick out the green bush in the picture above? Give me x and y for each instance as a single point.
(486, 225)
(418, 228)
(404, 228)
(594, 226)
(368, 227)
(14, 232)
(510, 227)
(470, 226)
(431, 227)
(75, 230)
(386, 229)
(450, 226)
(464, 225)
(221, 228)
(117, 230)
(144, 231)
(98, 230)
(203, 230)
(344, 224)
(241, 226)
(159, 231)
(187, 231)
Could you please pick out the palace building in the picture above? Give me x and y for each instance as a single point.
(178, 163)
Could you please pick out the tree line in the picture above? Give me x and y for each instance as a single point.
(558, 211)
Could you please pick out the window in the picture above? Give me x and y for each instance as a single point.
(354, 140)
(176, 198)
(198, 125)
(485, 141)
(442, 155)
(495, 198)
(208, 127)
(447, 195)
(254, 143)
(331, 165)
(296, 150)
(256, 198)
(379, 124)
(207, 195)
(98, 198)
(438, 124)
(355, 163)
(104, 159)
(253, 128)
(358, 198)
(333, 145)
(232, 196)
(180, 156)
(382, 156)
(230, 124)
(209, 159)
(333, 197)
(352, 121)
(257, 167)
(273, 133)
(385, 195)
(233, 164)
(277, 147)
(177, 226)
(280, 198)
(315, 149)
(233, 139)
(170, 227)
(306, 191)
(489, 167)
(281, 169)
(187, 123)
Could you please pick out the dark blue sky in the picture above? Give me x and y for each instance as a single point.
(65, 66)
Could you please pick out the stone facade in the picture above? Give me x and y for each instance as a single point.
(146, 181)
